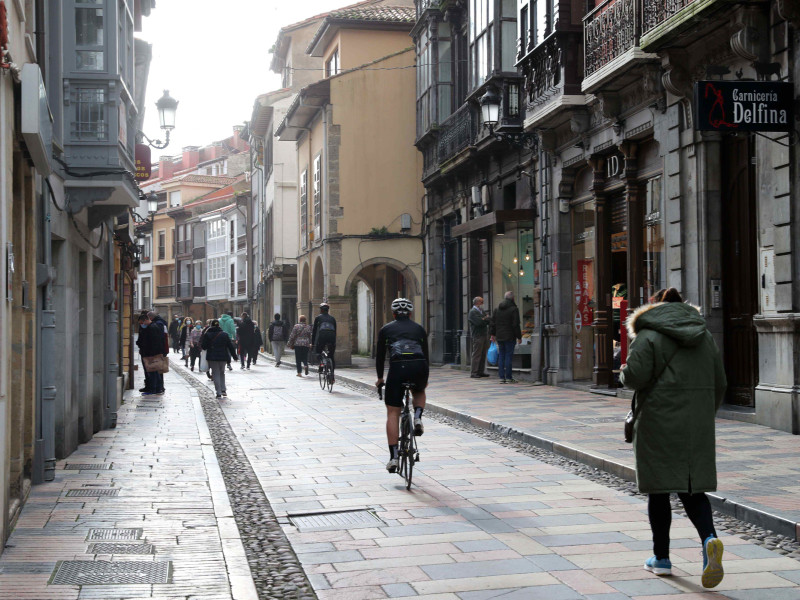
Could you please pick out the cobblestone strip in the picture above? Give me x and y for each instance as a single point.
(275, 568)
(747, 531)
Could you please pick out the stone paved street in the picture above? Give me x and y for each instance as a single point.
(482, 520)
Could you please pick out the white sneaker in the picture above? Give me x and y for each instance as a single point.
(419, 428)
(391, 466)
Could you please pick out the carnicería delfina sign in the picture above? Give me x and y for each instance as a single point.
(743, 105)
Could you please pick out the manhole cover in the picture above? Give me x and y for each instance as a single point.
(112, 548)
(93, 492)
(348, 519)
(88, 467)
(113, 535)
(88, 572)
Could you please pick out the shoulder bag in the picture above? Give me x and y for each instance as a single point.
(630, 418)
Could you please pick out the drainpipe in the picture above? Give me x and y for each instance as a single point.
(543, 313)
(111, 337)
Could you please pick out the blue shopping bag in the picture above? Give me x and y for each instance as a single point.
(493, 354)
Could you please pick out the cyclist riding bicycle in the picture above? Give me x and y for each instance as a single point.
(324, 334)
(407, 345)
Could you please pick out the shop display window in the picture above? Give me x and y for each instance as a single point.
(654, 276)
(584, 296)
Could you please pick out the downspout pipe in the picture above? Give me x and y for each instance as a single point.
(111, 337)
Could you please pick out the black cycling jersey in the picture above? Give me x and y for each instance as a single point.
(404, 340)
(324, 326)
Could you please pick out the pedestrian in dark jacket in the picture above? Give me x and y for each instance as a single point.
(258, 342)
(175, 333)
(151, 343)
(505, 330)
(675, 368)
(479, 331)
(159, 320)
(246, 336)
(278, 333)
(186, 328)
(219, 347)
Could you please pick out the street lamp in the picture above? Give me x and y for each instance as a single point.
(167, 108)
(490, 113)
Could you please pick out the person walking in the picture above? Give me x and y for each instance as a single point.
(186, 329)
(246, 335)
(258, 342)
(175, 333)
(194, 343)
(219, 348)
(151, 343)
(300, 342)
(228, 325)
(277, 333)
(505, 330)
(675, 367)
(479, 329)
(159, 321)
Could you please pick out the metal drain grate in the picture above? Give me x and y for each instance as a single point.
(87, 572)
(83, 493)
(112, 548)
(346, 519)
(114, 535)
(88, 467)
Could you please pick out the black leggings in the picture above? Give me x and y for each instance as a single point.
(301, 357)
(698, 509)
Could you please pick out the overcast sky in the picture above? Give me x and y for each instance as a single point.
(213, 57)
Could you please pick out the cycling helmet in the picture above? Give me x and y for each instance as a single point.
(402, 306)
(324, 304)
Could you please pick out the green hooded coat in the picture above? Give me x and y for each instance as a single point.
(673, 438)
(228, 325)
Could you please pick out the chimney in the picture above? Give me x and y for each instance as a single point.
(166, 167)
(191, 157)
(237, 141)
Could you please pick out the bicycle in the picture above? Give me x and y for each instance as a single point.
(407, 449)
(326, 370)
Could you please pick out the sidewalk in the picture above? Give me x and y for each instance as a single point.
(758, 468)
(142, 509)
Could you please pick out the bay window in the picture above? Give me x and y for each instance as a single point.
(89, 35)
(480, 40)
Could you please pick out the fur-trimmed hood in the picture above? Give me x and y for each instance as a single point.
(679, 320)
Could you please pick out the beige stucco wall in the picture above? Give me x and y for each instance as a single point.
(380, 169)
(309, 147)
(361, 46)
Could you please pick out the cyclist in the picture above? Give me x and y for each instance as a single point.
(324, 334)
(407, 344)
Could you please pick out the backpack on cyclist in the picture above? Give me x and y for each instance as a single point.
(327, 326)
(405, 350)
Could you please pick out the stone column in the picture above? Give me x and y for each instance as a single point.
(635, 223)
(603, 338)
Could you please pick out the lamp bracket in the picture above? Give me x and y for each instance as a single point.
(519, 139)
(157, 144)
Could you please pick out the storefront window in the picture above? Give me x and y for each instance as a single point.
(513, 270)
(583, 297)
(653, 240)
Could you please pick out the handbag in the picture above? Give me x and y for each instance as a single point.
(156, 364)
(630, 418)
(493, 354)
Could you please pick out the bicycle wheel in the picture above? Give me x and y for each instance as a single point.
(407, 448)
(329, 372)
(323, 375)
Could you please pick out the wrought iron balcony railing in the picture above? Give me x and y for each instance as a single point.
(165, 291)
(185, 290)
(457, 132)
(655, 12)
(609, 31)
(184, 247)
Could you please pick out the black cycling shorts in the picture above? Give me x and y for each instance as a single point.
(400, 372)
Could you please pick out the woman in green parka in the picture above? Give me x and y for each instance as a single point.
(676, 369)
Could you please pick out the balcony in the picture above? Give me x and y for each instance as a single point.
(165, 291)
(199, 291)
(663, 20)
(457, 132)
(184, 291)
(552, 77)
(241, 242)
(184, 247)
(199, 253)
(611, 35)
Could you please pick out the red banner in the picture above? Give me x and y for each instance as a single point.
(143, 162)
(584, 290)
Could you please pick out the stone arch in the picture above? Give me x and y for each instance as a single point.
(305, 284)
(319, 280)
(412, 283)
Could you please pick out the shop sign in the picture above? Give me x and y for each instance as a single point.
(744, 105)
(578, 350)
(583, 291)
(143, 162)
(555, 269)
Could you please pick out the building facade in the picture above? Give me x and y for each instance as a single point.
(359, 199)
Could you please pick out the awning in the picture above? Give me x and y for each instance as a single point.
(486, 225)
